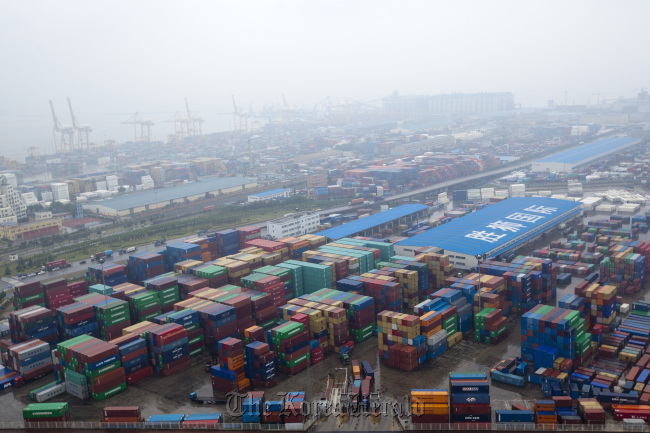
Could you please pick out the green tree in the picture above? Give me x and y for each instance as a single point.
(121, 190)
(7, 271)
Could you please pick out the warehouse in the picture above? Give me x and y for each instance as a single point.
(391, 218)
(130, 204)
(293, 225)
(494, 230)
(572, 159)
(269, 195)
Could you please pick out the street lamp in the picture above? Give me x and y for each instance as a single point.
(479, 259)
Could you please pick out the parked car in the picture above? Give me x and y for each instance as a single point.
(83, 262)
(40, 273)
(31, 274)
(55, 269)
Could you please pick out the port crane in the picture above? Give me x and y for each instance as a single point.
(143, 135)
(194, 122)
(83, 131)
(63, 135)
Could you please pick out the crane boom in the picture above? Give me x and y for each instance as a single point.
(57, 124)
(74, 120)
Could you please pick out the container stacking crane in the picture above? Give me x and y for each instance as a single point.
(143, 135)
(83, 141)
(63, 135)
(194, 122)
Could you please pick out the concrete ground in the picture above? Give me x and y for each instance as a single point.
(157, 394)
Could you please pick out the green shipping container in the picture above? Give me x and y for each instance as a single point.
(104, 395)
(45, 410)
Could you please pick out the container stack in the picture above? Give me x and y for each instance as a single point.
(29, 359)
(108, 274)
(400, 341)
(76, 384)
(228, 242)
(296, 277)
(144, 305)
(191, 283)
(33, 322)
(490, 326)
(166, 286)
(591, 412)
(189, 319)
(28, 295)
(77, 319)
(217, 276)
(470, 400)
(37, 413)
(101, 289)
(260, 364)
(337, 325)
(545, 412)
(274, 247)
(122, 414)
(253, 407)
(253, 334)
(291, 343)
(236, 269)
(273, 412)
(294, 410)
(601, 302)
(57, 293)
(267, 284)
(231, 357)
(314, 276)
(134, 356)
(98, 360)
(247, 234)
(179, 252)
(317, 322)
(555, 331)
(429, 406)
(296, 247)
(209, 247)
(78, 289)
(112, 314)
(169, 348)
(46, 392)
(284, 274)
(143, 266)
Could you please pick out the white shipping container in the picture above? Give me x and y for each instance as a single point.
(517, 187)
(48, 393)
(606, 208)
(487, 193)
(501, 193)
(473, 194)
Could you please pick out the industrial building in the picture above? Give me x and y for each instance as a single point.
(494, 230)
(391, 218)
(269, 195)
(578, 157)
(293, 225)
(456, 103)
(158, 198)
(30, 230)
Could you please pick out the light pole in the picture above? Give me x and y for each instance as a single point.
(479, 258)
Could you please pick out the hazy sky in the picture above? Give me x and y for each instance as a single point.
(118, 57)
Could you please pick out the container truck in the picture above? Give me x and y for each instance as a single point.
(99, 255)
(61, 263)
(355, 201)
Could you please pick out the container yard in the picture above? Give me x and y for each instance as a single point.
(556, 335)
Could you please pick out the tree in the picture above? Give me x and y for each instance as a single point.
(121, 190)
(7, 271)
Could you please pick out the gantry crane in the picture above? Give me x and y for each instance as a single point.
(65, 140)
(194, 122)
(144, 135)
(83, 141)
(180, 127)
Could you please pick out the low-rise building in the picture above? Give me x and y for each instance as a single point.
(30, 230)
(293, 225)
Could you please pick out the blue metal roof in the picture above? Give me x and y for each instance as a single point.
(498, 226)
(371, 221)
(152, 196)
(592, 151)
(266, 193)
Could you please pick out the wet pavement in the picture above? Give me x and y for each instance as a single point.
(157, 394)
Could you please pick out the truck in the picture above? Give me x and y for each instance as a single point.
(99, 255)
(61, 263)
(365, 393)
(9, 378)
(157, 243)
(194, 398)
(356, 201)
(126, 250)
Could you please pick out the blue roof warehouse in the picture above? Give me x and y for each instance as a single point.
(405, 214)
(496, 229)
(584, 155)
(269, 195)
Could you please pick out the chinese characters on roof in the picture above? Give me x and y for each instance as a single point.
(512, 223)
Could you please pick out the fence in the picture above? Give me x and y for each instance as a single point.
(526, 427)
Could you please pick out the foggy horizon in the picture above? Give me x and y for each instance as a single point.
(116, 58)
